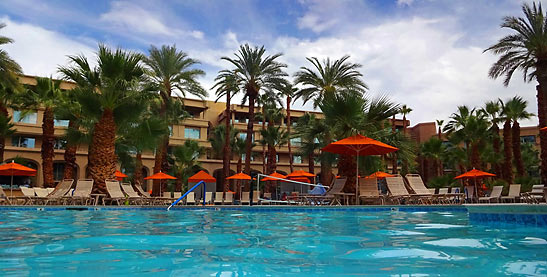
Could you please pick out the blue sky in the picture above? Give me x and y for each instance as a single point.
(426, 54)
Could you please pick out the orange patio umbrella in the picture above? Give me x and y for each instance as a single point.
(275, 175)
(202, 176)
(160, 176)
(300, 173)
(119, 175)
(15, 169)
(239, 176)
(300, 179)
(380, 175)
(474, 174)
(359, 145)
(543, 129)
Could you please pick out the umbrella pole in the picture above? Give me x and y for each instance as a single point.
(11, 186)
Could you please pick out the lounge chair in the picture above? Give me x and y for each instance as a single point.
(219, 199)
(60, 191)
(146, 196)
(229, 198)
(133, 195)
(28, 196)
(536, 195)
(115, 193)
(494, 195)
(469, 194)
(177, 194)
(4, 197)
(82, 192)
(191, 198)
(368, 190)
(41, 195)
(331, 196)
(513, 195)
(50, 190)
(421, 191)
(397, 190)
(245, 198)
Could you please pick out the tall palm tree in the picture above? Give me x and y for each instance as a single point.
(288, 90)
(273, 137)
(525, 49)
(255, 72)
(440, 123)
(325, 79)
(309, 129)
(404, 111)
(516, 107)
(227, 84)
(9, 69)
(46, 94)
(328, 77)
(492, 110)
(172, 73)
(112, 94)
(9, 86)
(433, 149)
(507, 172)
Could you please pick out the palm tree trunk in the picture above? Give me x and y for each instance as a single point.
(249, 138)
(346, 168)
(404, 168)
(326, 168)
(516, 149)
(271, 165)
(394, 154)
(227, 151)
(507, 151)
(542, 116)
(264, 167)
(475, 156)
(289, 133)
(497, 148)
(48, 153)
(138, 169)
(439, 134)
(103, 157)
(311, 163)
(70, 154)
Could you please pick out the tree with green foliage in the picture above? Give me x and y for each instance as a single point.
(186, 161)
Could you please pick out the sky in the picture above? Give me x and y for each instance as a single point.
(426, 54)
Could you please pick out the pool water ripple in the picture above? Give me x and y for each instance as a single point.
(233, 243)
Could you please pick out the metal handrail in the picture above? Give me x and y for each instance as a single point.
(190, 190)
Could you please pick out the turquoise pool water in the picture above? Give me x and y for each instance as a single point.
(235, 243)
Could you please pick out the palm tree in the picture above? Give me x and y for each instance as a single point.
(440, 123)
(46, 94)
(112, 93)
(404, 111)
(526, 50)
(255, 72)
(288, 90)
(9, 86)
(172, 73)
(6, 130)
(492, 110)
(325, 79)
(328, 78)
(309, 129)
(433, 149)
(516, 107)
(226, 85)
(507, 172)
(273, 137)
(9, 69)
(186, 161)
(470, 127)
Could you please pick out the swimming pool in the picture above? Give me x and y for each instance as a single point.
(235, 242)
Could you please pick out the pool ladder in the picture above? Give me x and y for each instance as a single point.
(190, 190)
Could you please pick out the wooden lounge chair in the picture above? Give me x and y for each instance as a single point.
(421, 191)
(56, 196)
(368, 190)
(219, 199)
(397, 190)
(494, 195)
(536, 195)
(513, 195)
(115, 193)
(133, 195)
(4, 197)
(82, 193)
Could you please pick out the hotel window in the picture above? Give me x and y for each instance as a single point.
(296, 141)
(29, 118)
(59, 144)
(191, 133)
(277, 158)
(26, 142)
(58, 171)
(61, 123)
(243, 136)
(170, 130)
(528, 139)
(297, 159)
(243, 157)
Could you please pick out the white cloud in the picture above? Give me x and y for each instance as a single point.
(417, 63)
(404, 2)
(40, 51)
